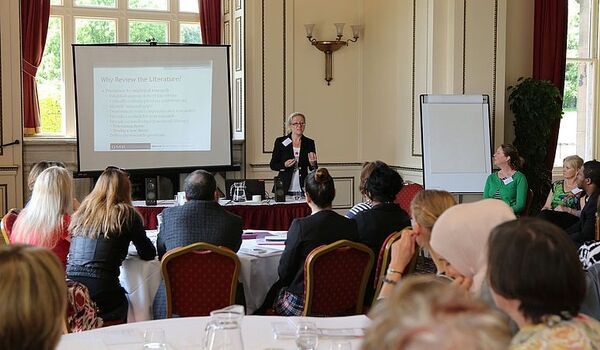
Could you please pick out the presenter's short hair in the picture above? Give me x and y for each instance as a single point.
(200, 185)
(292, 115)
(34, 297)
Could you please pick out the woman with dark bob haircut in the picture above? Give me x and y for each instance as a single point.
(385, 217)
(323, 226)
(537, 279)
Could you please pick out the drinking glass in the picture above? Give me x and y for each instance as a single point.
(306, 336)
(154, 339)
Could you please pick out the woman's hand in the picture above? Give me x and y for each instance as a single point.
(290, 163)
(403, 250)
(312, 158)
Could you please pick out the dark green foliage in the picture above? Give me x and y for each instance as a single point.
(537, 105)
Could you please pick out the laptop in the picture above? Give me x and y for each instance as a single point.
(253, 186)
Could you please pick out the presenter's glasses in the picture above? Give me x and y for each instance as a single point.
(299, 124)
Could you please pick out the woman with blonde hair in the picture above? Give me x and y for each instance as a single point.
(101, 231)
(426, 207)
(425, 313)
(563, 202)
(34, 298)
(45, 220)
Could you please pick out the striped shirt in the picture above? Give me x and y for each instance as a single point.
(358, 208)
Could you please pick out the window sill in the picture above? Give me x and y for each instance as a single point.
(50, 140)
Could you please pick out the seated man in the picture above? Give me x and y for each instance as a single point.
(200, 219)
(588, 179)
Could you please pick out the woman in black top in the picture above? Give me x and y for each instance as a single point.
(385, 217)
(323, 226)
(294, 155)
(101, 231)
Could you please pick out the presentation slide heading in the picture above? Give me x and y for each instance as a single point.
(144, 79)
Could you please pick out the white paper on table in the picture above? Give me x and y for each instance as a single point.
(261, 252)
(287, 330)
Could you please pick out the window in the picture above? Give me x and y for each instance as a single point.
(579, 100)
(101, 21)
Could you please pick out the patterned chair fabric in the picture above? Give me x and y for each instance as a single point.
(335, 277)
(199, 278)
(7, 223)
(406, 194)
(383, 260)
(82, 314)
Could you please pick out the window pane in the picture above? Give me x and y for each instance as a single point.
(189, 33)
(95, 31)
(188, 6)
(579, 29)
(153, 5)
(50, 85)
(575, 131)
(56, 2)
(139, 31)
(96, 3)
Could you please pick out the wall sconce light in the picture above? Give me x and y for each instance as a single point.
(329, 47)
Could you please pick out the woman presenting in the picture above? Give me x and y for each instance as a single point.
(294, 155)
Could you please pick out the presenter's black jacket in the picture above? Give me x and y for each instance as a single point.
(584, 229)
(282, 153)
(306, 234)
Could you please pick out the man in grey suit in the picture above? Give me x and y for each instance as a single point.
(200, 219)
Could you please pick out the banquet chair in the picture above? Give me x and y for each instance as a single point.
(7, 223)
(383, 260)
(406, 195)
(335, 277)
(199, 278)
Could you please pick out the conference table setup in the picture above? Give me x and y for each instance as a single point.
(265, 215)
(259, 259)
(257, 332)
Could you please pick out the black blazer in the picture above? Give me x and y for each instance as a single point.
(198, 221)
(282, 153)
(306, 234)
(584, 229)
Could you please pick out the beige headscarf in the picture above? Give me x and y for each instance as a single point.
(461, 233)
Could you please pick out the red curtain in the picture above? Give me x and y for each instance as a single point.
(549, 54)
(34, 27)
(210, 21)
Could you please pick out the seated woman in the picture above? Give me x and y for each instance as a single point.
(426, 207)
(45, 220)
(34, 298)
(425, 313)
(459, 237)
(323, 226)
(508, 183)
(101, 231)
(366, 205)
(563, 201)
(537, 280)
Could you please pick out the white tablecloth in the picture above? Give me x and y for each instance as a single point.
(188, 333)
(141, 279)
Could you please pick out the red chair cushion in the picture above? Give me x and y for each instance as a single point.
(406, 195)
(337, 277)
(200, 282)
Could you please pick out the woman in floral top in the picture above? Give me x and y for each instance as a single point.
(536, 278)
(563, 201)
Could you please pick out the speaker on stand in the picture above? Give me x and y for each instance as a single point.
(151, 190)
(279, 190)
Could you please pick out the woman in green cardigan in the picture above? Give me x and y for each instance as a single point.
(508, 183)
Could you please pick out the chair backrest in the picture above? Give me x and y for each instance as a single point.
(82, 314)
(383, 260)
(406, 195)
(199, 278)
(335, 279)
(597, 228)
(528, 202)
(7, 223)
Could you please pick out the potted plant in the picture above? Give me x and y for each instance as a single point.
(537, 105)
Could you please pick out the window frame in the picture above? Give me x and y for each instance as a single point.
(122, 14)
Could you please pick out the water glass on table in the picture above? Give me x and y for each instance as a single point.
(307, 336)
(154, 339)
